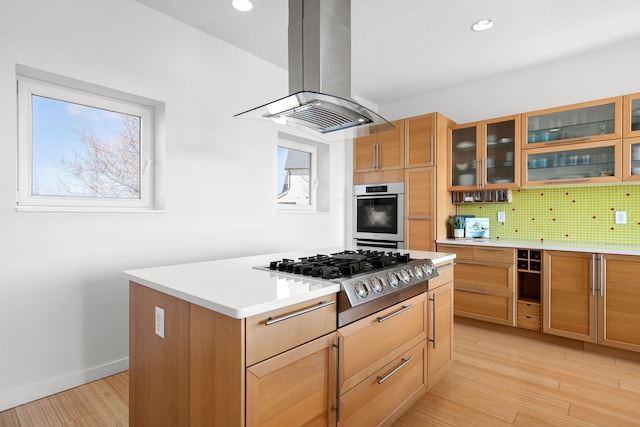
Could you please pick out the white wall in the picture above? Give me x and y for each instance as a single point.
(63, 300)
(601, 73)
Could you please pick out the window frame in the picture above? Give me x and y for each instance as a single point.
(92, 96)
(313, 175)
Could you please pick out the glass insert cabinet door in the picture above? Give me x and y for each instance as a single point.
(589, 121)
(631, 158)
(463, 149)
(632, 115)
(499, 165)
(584, 163)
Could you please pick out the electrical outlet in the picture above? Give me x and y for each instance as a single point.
(160, 322)
(621, 217)
(501, 216)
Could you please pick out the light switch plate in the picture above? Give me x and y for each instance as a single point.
(160, 322)
(621, 217)
(501, 216)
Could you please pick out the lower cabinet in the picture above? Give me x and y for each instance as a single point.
(294, 388)
(619, 302)
(440, 330)
(484, 283)
(569, 292)
(375, 400)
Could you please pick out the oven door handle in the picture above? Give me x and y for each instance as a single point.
(395, 313)
(378, 196)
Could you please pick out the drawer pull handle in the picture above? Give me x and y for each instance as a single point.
(395, 313)
(272, 320)
(434, 318)
(484, 264)
(489, 249)
(474, 291)
(396, 369)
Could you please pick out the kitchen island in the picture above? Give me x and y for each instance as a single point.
(200, 353)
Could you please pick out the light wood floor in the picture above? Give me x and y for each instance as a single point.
(496, 379)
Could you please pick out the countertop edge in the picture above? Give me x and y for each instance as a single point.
(556, 246)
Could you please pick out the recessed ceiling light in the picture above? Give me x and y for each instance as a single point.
(482, 25)
(242, 5)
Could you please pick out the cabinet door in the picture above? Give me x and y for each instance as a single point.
(500, 159)
(440, 332)
(594, 162)
(569, 295)
(419, 141)
(391, 148)
(365, 152)
(294, 388)
(585, 122)
(631, 159)
(631, 120)
(419, 200)
(464, 143)
(619, 302)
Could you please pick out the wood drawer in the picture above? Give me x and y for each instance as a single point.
(461, 251)
(372, 402)
(529, 309)
(445, 275)
(309, 320)
(372, 342)
(482, 305)
(494, 254)
(485, 275)
(529, 322)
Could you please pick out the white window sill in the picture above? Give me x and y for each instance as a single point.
(87, 209)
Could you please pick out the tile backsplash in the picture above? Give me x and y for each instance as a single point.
(570, 214)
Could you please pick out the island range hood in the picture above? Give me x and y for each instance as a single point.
(320, 76)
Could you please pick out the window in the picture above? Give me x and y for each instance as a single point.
(83, 147)
(296, 176)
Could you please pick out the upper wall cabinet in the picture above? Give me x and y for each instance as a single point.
(631, 111)
(419, 145)
(485, 154)
(584, 122)
(380, 152)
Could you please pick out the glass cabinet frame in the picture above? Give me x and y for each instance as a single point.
(631, 159)
(578, 163)
(576, 123)
(480, 152)
(631, 119)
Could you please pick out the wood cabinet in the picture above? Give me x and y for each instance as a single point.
(569, 295)
(213, 370)
(484, 282)
(631, 159)
(584, 122)
(593, 298)
(420, 141)
(440, 324)
(379, 153)
(420, 201)
(295, 388)
(483, 155)
(619, 302)
(584, 163)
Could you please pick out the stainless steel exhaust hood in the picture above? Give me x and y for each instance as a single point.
(320, 76)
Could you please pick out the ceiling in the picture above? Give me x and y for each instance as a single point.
(401, 48)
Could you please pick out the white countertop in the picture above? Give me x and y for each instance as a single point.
(234, 288)
(600, 248)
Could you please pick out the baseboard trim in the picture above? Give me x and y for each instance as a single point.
(56, 385)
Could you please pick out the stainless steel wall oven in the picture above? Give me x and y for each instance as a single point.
(378, 215)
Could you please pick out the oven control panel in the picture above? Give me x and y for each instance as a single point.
(370, 286)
